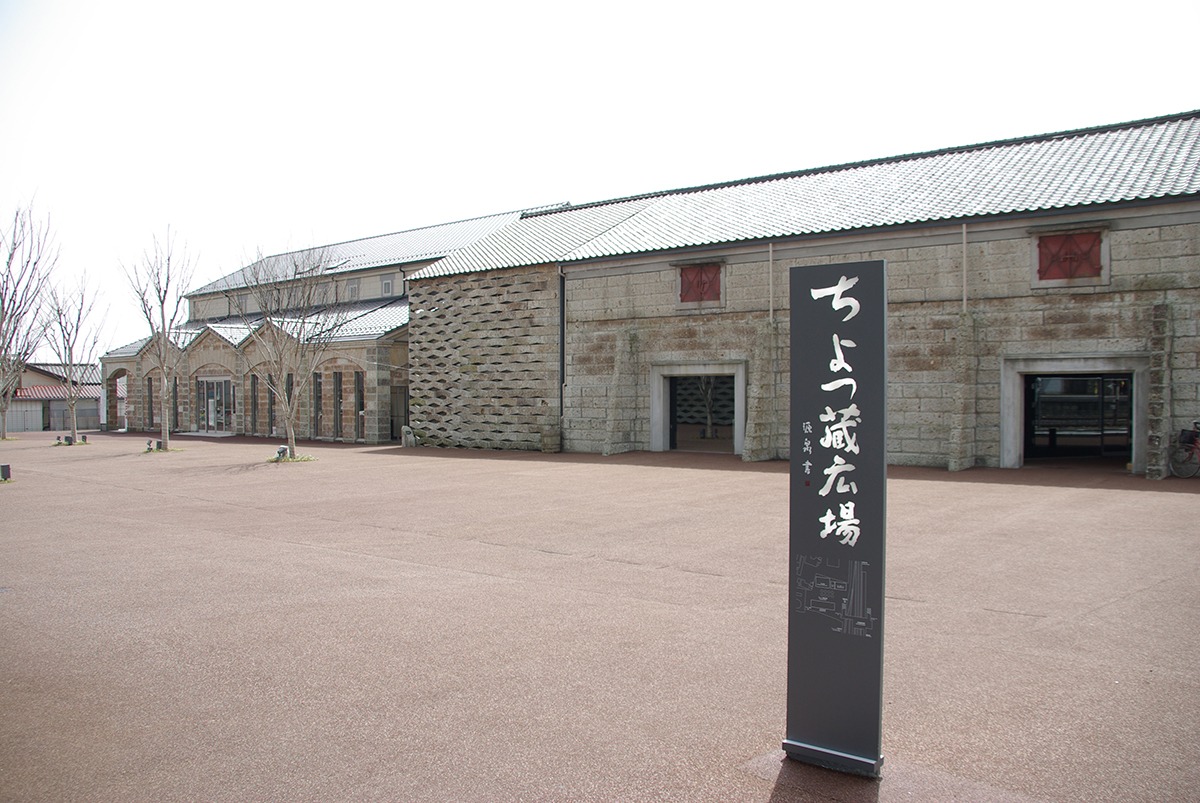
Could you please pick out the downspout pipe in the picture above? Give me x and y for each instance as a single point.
(771, 279)
(562, 342)
(964, 268)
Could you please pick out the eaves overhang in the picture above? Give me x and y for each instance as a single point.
(1100, 209)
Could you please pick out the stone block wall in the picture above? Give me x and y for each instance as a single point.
(945, 357)
(381, 363)
(338, 418)
(484, 364)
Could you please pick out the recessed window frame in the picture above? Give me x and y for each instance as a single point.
(723, 286)
(1103, 279)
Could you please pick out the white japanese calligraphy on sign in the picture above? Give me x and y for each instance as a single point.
(840, 423)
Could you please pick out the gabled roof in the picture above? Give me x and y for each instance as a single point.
(1142, 160)
(399, 248)
(235, 333)
(362, 320)
(86, 373)
(128, 350)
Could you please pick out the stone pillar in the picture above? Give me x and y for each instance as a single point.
(764, 439)
(377, 390)
(622, 395)
(963, 440)
(1159, 392)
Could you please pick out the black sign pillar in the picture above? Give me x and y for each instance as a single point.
(838, 508)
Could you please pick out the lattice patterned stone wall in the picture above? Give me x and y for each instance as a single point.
(484, 359)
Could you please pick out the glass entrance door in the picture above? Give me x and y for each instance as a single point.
(214, 405)
(1078, 415)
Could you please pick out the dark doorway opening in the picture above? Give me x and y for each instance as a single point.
(702, 411)
(1079, 415)
(399, 410)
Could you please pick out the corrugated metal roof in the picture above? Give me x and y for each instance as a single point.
(55, 392)
(363, 320)
(372, 322)
(399, 248)
(128, 350)
(234, 333)
(1127, 162)
(535, 239)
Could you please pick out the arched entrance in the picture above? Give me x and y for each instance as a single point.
(115, 392)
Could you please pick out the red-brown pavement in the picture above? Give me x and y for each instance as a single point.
(420, 624)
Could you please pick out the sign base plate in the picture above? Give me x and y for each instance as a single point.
(833, 760)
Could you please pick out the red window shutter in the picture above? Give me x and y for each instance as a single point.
(699, 283)
(1069, 256)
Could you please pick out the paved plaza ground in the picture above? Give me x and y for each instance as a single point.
(429, 625)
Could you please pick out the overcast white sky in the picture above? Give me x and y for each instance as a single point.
(254, 126)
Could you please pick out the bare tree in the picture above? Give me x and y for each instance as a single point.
(74, 339)
(30, 257)
(159, 281)
(288, 304)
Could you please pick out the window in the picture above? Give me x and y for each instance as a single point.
(360, 405)
(699, 283)
(1071, 258)
(270, 405)
(352, 290)
(387, 285)
(253, 404)
(337, 404)
(316, 405)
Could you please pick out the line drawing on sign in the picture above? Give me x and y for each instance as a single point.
(835, 589)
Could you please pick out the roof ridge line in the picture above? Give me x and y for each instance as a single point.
(836, 168)
(409, 231)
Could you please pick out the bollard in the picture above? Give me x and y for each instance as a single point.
(83, 438)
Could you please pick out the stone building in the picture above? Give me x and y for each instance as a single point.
(1043, 298)
(1043, 301)
(359, 390)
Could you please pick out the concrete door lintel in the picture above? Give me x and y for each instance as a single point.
(660, 375)
(1012, 396)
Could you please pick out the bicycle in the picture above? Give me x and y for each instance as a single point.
(1185, 456)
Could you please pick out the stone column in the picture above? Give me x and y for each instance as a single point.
(622, 395)
(1159, 392)
(963, 440)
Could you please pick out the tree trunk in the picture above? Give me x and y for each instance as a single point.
(164, 404)
(74, 420)
(291, 433)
